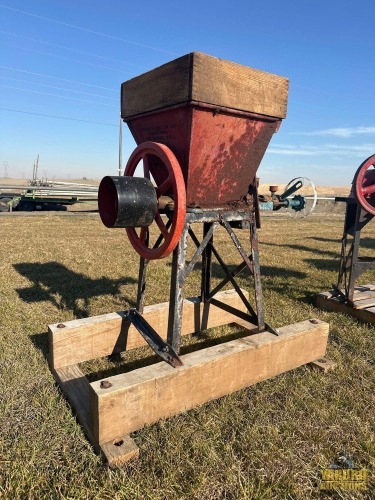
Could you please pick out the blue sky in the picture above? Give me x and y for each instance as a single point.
(62, 64)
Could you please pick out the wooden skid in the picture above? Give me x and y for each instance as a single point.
(363, 303)
(143, 396)
(148, 394)
(90, 338)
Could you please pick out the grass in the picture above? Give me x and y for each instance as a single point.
(264, 442)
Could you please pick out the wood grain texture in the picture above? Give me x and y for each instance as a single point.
(90, 338)
(324, 364)
(119, 451)
(207, 79)
(143, 396)
(231, 85)
(76, 388)
(362, 309)
(364, 303)
(164, 86)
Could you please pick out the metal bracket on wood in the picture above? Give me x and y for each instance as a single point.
(157, 344)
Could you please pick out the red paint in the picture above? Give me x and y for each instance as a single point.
(170, 181)
(364, 183)
(219, 150)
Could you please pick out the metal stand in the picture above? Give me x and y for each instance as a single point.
(351, 265)
(205, 249)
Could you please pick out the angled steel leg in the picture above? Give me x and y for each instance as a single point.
(143, 264)
(254, 244)
(206, 265)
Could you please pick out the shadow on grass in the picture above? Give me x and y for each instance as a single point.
(64, 288)
(365, 242)
(304, 248)
(325, 264)
(40, 341)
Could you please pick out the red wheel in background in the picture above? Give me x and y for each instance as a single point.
(364, 185)
(170, 181)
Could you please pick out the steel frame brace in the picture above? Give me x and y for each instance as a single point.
(351, 264)
(205, 249)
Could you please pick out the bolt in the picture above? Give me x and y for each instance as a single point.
(61, 325)
(314, 321)
(104, 384)
(322, 360)
(165, 349)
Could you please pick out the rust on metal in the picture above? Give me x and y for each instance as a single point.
(219, 149)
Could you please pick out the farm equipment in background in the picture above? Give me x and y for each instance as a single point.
(202, 126)
(299, 198)
(40, 198)
(358, 301)
(43, 194)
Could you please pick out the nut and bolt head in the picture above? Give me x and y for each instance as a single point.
(61, 325)
(314, 321)
(105, 384)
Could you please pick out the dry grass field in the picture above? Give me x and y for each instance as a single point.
(268, 441)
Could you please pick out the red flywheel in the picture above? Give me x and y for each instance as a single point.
(364, 185)
(169, 180)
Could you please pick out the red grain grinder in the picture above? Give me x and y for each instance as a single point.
(202, 126)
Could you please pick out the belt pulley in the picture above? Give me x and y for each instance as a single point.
(133, 202)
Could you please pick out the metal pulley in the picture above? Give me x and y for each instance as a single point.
(137, 202)
(364, 185)
(127, 201)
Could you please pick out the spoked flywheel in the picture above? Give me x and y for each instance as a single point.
(162, 167)
(364, 185)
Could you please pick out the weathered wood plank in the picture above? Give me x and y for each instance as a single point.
(76, 387)
(119, 451)
(324, 364)
(369, 286)
(207, 79)
(89, 338)
(366, 315)
(363, 295)
(363, 304)
(231, 85)
(145, 395)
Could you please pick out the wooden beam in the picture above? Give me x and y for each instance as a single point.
(90, 338)
(76, 387)
(143, 396)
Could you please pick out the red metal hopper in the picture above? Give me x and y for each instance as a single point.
(216, 116)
